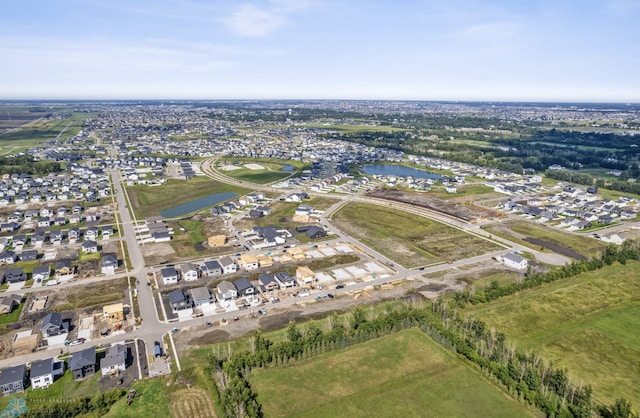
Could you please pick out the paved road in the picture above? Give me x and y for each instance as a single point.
(152, 329)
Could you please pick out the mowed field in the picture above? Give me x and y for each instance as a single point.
(401, 375)
(408, 239)
(588, 324)
(149, 201)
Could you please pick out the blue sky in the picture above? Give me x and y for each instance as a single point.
(564, 50)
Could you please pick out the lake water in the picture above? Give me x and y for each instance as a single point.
(287, 167)
(198, 204)
(398, 170)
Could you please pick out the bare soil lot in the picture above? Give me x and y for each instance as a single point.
(449, 207)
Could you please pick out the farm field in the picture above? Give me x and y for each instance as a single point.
(404, 374)
(149, 201)
(410, 240)
(587, 323)
(37, 131)
(550, 239)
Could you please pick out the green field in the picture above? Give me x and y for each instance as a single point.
(38, 131)
(149, 201)
(151, 401)
(408, 239)
(588, 324)
(516, 231)
(401, 375)
(272, 171)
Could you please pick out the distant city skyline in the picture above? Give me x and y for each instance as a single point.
(495, 50)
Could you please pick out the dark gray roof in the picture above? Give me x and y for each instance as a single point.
(52, 318)
(168, 272)
(177, 296)
(212, 265)
(83, 358)
(42, 367)
(242, 283)
(13, 374)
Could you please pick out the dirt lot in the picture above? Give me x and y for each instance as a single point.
(199, 335)
(449, 207)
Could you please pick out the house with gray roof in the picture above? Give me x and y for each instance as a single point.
(83, 363)
(13, 379)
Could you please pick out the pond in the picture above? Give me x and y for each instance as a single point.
(287, 167)
(197, 204)
(398, 170)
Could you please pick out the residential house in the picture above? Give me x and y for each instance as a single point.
(212, 268)
(169, 275)
(56, 237)
(89, 247)
(178, 300)
(200, 296)
(29, 255)
(268, 282)
(228, 265)
(312, 231)
(226, 290)
(115, 361)
(41, 273)
(53, 325)
(244, 287)
(109, 264)
(83, 363)
(107, 231)
(74, 234)
(9, 303)
(13, 379)
(515, 261)
(15, 275)
(43, 372)
(284, 279)
(8, 257)
(91, 234)
(189, 272)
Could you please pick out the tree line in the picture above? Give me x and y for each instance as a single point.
(525, 376)
(28, 165)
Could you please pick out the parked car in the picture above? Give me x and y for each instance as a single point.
(340, 286)
(262, 311)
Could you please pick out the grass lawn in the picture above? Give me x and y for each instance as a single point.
(516, 231)
(149, 201)
(410, 240)
(257, 176)
(151, 401)
(404, 374)
(588, 324)
(463, 190)
(9, 318)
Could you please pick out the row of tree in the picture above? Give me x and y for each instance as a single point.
(96, 405)
(524, 375)
(629, 250)
(26, 164)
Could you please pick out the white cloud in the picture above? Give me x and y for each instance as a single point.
(251, 20)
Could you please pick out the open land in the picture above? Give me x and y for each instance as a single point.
(148, 201)
(408, 239)
(404, 374)
(548, 239)
(587, 323)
